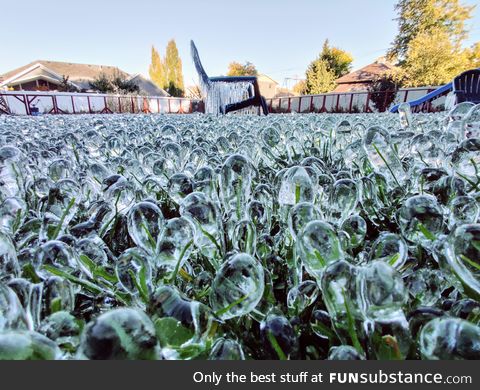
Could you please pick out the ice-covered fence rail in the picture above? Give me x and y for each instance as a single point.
(351, 102)
(29, 102)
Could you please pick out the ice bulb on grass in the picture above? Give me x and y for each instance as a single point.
(297, 186)
(235, 183)
(421, 219)
(405, 115)
(463, 210)
(145, 222)
(238, 286)
(24, 345)
(462, 253)
(300, 215)
(134, 272)
(179, 321)
(205, 215)
(450, 339)
(175, 244)
(390, 248)
(120, 334)
(318, 246)
(382, 157)
(356, 229)
(344, 198)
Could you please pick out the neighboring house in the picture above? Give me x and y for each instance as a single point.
(268, 86)
(48, 75)
(285, 92)
(147, 86)
(361, 79)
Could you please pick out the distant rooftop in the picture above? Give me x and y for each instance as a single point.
(73, 70)
(361, 78)
(80, 75)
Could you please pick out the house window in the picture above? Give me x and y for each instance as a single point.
(29, 86)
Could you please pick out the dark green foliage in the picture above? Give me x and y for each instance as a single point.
(383, 91)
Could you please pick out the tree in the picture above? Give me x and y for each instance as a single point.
(66, 85)
(424, 16)
(338, 60)
(474, 55)
(383, 91)
(433, 59)
(238, 69)
(167, 74)
(173, 70)
(157, 70)
(331, 64)
(116, 83)
(320, 78)
(123, 85)
(102, 83)
(300, 87)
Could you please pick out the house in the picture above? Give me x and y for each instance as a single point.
(147, 86)
(361, 79)
(48, 76)
(268, 86)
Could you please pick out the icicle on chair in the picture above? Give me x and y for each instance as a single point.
(227, 94)
(466, 86)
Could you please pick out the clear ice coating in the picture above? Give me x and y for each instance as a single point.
(379, 150)
(27, 345)
(238, 286)
(297, 186)
(220, 94)
(301, 214)
(179, 321)
(462, 253)
(120, 334)
(326, 229)
(421, 219)
(318, 246)
(405, 115)
(450, 339)
(145, 222)
(391, 248)
(226, 349)
(175, 244)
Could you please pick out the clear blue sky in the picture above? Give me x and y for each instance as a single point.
(280, 37)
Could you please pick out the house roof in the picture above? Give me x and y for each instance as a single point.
(352, 87)
(367, 73)
(73, 70)
(265, 79)
(147, 86)
(79, 75)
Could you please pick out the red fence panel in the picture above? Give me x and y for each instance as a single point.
(33, 102)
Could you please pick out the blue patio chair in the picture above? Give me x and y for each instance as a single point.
(227, 94)
(466, 86)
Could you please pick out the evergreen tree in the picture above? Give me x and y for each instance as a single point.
(157, 70)
(338, 60)
(331, 64)
(320, 78)
(423, 16)
(102, 83)
(173, 70)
